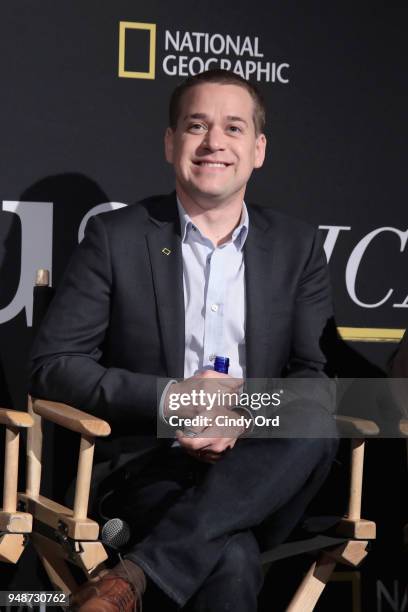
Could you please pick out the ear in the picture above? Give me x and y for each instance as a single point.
(168, 145)
(260, 148)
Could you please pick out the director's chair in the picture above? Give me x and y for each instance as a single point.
(347, 538)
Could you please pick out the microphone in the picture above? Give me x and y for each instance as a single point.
(115, 533)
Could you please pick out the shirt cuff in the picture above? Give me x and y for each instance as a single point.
(162, 401)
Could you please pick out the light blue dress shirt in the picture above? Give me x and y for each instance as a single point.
(214, 297)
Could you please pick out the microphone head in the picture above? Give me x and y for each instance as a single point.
(115, 533)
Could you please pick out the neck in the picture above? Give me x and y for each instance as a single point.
(215, 220)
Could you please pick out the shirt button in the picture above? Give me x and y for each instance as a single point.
(214, 307)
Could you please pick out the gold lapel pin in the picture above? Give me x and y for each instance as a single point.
(166, 251)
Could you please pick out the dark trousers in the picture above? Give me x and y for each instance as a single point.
(195, 527)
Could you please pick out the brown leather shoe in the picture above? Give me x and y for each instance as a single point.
(109, 593)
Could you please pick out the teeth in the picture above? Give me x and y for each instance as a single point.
(213, 164)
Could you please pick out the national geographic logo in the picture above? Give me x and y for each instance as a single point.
(132, 29)
(188, 53)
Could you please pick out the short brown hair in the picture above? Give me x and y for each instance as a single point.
(223, 77)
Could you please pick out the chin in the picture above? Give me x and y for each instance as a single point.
(210, 190)
(211, 194)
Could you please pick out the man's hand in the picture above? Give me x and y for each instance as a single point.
(212, 389)
(213, 441)
(217, 439)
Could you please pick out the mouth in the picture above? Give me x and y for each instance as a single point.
(211, 164)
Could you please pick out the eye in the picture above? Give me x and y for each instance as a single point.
(196, 128)
(235, 129)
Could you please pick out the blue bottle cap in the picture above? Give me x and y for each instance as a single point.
(221, 364)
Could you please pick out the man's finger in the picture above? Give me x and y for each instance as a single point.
(194, 443)
(207, 456)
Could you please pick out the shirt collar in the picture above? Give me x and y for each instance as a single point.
(239, 235)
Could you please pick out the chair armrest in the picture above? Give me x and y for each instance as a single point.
(71, 418)
(353, 426)
(15, 418)
(89, 427)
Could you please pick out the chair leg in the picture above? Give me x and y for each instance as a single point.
(59, 574)
(56, 567)
(11, 547)
(312, 585)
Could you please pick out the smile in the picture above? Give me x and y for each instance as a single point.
(212, 164)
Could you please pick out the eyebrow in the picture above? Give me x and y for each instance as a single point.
(204, 116)
(236, 118)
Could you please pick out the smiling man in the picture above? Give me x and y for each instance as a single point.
(154, 292)
(214, 147)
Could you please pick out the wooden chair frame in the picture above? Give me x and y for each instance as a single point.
(357, 531)
(61, 534)
(14, 525)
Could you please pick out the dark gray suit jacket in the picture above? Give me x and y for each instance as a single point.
(116, 324)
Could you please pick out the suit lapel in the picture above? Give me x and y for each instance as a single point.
(259, 290)
(164, 244)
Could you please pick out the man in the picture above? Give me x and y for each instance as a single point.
(158, 289)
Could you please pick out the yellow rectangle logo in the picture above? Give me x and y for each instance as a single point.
(133, 25)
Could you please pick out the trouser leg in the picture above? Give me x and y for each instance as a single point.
(235, 581)
(251, 482)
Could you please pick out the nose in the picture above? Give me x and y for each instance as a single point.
(214, 139)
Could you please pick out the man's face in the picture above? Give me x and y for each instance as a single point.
(214, 147)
